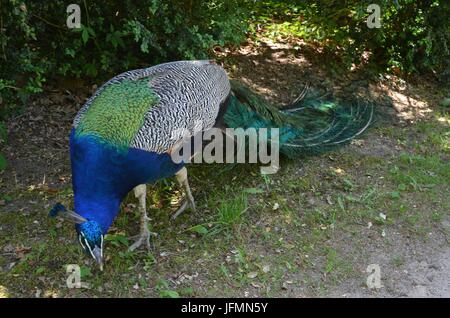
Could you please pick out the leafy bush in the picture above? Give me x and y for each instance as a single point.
(35, 42)
(117, 35)
(414, 35)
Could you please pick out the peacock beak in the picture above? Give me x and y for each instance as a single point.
(98, 256)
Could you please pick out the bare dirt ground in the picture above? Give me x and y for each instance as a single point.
(312, 232)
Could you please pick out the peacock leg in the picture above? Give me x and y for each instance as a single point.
(182, 179)
(144, 237)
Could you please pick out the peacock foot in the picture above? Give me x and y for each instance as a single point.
(143, 238)
(188, 203)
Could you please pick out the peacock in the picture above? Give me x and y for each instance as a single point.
(122, 137)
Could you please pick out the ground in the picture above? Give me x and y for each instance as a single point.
(320, 227)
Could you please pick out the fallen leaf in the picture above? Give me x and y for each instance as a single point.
(252, 275)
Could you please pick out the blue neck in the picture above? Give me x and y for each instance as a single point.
(102, 176)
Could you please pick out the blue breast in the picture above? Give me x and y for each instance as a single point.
(102, 175)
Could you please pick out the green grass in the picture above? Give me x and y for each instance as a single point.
(398, 261)
(229, 216)
(336, 267)
(301, 231)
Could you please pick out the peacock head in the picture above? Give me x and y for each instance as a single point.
(90, 235)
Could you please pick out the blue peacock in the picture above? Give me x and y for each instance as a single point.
(122, 139)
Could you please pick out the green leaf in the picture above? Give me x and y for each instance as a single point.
(122, 239)
(341, 203)
(169, 294)
(85, 271)
(117, 239)
(91, 31)
(395, 194)
(70, 52)
(348, 185)
(253, 191)
(200, 229)
(40, 270)
(85, 35)
(7, 198)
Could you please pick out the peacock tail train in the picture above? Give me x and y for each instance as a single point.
(310, 125)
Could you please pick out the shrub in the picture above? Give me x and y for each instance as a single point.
(414, 35)
(36, 44)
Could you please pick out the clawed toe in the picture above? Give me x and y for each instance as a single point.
(144, 238)
(186, 204)
(189, 201)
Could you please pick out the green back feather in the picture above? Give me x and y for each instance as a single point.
(118, 112)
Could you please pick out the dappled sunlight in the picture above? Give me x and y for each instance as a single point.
(274, 68)
(51, 293)
(446, 122)
(338, 171)
(277, 65)
(247, 50)
(4, 292)
(408, 108)
(412, 101)
(258, 88)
